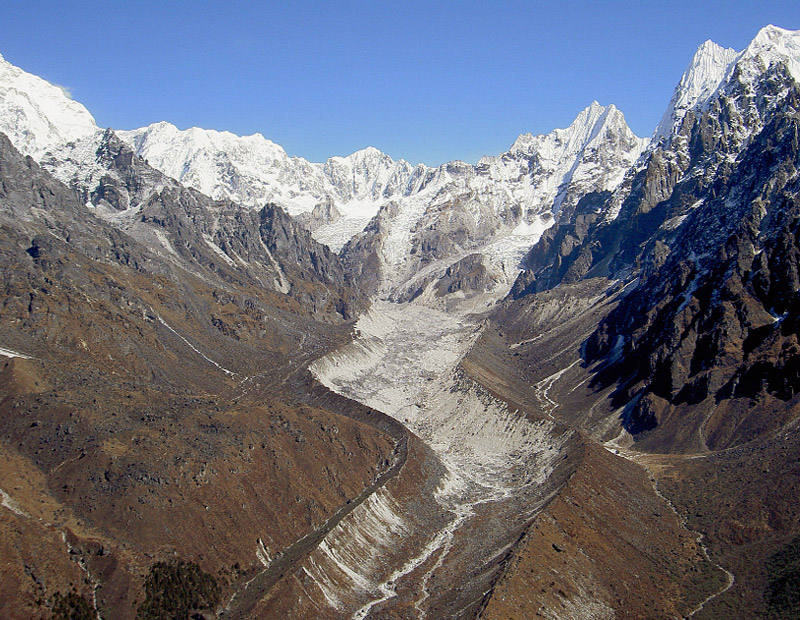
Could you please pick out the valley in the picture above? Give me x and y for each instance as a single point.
(563, 382)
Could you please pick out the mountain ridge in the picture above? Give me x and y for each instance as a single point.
(336, 198)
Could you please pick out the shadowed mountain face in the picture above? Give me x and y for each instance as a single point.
(714, 338)
(684, 313)
(195, 395)
(703, 343)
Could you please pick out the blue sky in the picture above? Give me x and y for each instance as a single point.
(423, 81)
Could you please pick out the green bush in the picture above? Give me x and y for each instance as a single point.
(783, 588)
(72, 607)
(174, 589)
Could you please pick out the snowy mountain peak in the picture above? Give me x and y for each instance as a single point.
(771, 46)
(38, 116)
(252, 171)
(367, 153)
(701, 79)
(705, 72)
(367, 157)
(714, 66)
(206, 158)
(776, 38)
(194, 139)
(563, 143)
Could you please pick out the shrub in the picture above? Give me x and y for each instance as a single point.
(72, 607)
(172, 590)
(783, 589)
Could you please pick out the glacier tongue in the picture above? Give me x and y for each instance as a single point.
(398, 351)
(404, 362)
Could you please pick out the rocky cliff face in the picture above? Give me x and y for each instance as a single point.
(712, 334)
(696, 238)
(213, 239)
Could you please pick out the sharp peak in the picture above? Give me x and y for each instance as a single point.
(595, 110)
(710, 46)
(768, 36)
(712, 66)
(596, 104)
(592, 114)
(702, 76)
(712, 58)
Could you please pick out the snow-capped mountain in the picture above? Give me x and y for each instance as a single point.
(592, 154)
(722, 101)
(338, 197)
(497, 209)
(714, 78)
(159, 390)
(253, 171)
(716, 71)
(698, 83)
(428, 219)
(705, 237)
(412, 225)
(44, 122)
(37, 115)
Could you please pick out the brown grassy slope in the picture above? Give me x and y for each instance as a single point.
(607, 546)
(125, 435)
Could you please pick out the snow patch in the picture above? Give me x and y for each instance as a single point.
(218, 250)
(262, 554)
(7, 502)
(9, 353)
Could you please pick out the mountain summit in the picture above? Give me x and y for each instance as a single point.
(37, 115)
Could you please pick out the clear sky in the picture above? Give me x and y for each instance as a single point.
(424, 81)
